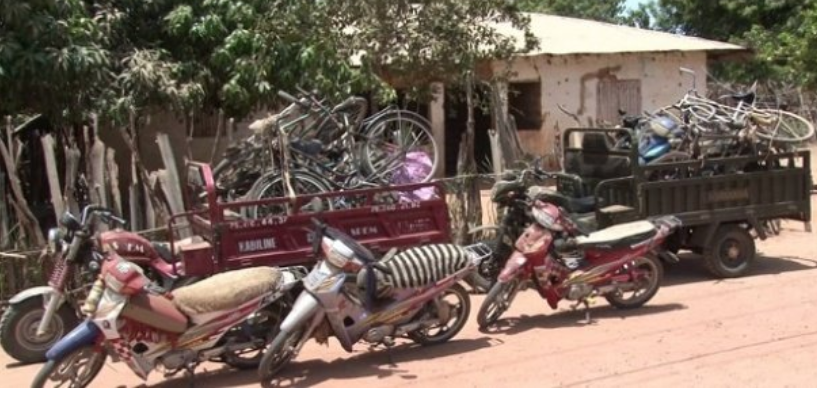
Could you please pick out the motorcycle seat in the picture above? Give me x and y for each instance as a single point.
(163, 248)
(226, 291)
(585, 222)
(582, 205)
(155, 311)
(618, 236)
(418, 267)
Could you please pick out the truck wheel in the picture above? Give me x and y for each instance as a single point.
(18, 329)
(731, 253)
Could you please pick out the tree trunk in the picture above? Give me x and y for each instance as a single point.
(466, 166)
(150, 204)
(219, 128)
(53, 177)
(25, 216)
(113, 178)
(4, 214)
(72, 159)
(144, 177)
(135, 198)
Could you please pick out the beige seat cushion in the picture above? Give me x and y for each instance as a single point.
(639, 230)
(226, 290)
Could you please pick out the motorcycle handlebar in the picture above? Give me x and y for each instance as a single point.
(292, 99)
(103, 213)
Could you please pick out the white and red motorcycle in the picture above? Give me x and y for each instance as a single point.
(228, 318)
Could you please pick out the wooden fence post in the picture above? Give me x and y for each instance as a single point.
(173, 191)
(53, 178)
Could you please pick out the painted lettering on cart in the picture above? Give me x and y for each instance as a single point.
(257, 245)
(728, 195)
(363, 231)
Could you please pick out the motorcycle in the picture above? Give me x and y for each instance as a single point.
(560, 265)
(512, 194)
(221, 319)
(352, 296)
(37, 317)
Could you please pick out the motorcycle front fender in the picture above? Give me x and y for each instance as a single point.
(513, 267)
(83, 335)
(305, 307)
(36, 292)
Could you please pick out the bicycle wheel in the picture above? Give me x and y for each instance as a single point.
(271, 185)
(782, 126)
(399, 148)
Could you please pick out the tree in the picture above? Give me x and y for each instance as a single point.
(779, 31)
(52, 58)
(604, 10)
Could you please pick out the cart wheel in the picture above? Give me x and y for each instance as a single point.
(731, 253)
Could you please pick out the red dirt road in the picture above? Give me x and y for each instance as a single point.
(759, 330)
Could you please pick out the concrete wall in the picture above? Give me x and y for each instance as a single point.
(572, 81)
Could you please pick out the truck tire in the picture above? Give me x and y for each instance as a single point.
(731, 253)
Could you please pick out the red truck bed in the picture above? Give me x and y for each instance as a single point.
(233, 241)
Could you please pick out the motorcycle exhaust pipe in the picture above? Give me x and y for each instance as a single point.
(52, 302)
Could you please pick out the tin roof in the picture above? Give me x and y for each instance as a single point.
(571, 36)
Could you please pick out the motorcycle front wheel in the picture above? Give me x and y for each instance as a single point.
(278, 355)
(649, 272)
(18, 329)
(497, 302)
(75, 370)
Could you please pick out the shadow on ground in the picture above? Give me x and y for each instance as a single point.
(307, 373)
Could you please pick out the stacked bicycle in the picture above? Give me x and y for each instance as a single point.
(314, 147)
(698, 128)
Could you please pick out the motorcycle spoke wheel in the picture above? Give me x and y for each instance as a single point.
(75, 370)
(497, 302)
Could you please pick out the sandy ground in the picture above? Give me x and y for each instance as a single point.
(755, 331)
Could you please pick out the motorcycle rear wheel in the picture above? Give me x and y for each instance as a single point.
(648, 286)
(268, 323)
(447, 330)
(497, 302)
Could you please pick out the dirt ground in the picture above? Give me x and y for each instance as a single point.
(755, 331)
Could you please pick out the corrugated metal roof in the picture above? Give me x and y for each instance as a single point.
(565, 36)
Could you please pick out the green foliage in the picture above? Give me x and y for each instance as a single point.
(117, 57)
(781, 32)
(599, 10)
(51, 57)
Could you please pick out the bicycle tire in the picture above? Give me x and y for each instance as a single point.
(263, 189)
(371, 153)
(794, 130)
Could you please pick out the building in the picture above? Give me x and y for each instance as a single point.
(592, 69)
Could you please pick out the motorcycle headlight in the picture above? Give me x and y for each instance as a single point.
(55, 237)
(339, 255)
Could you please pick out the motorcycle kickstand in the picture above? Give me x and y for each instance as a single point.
(586, 304)
(388, 343)
(190, 374)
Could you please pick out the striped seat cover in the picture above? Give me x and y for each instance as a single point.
(418, 267)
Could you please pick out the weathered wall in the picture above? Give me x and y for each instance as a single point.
(572, 81)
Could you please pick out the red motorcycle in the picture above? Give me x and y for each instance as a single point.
(37, 317)
(563, 262)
